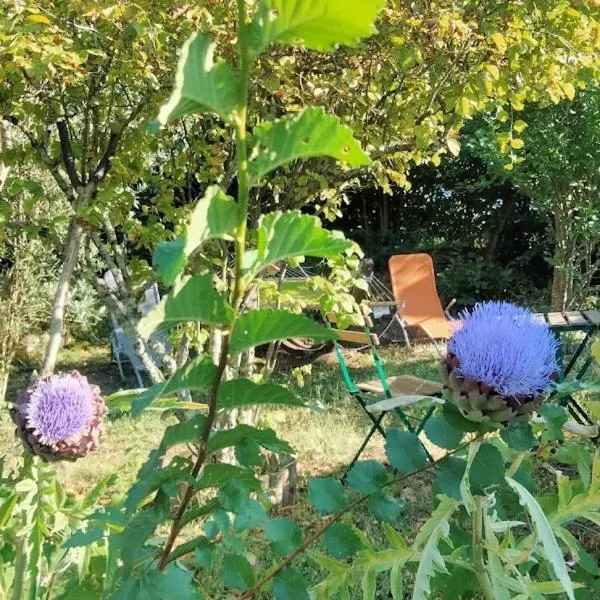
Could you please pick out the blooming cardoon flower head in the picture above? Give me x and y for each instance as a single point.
(500, 362)
(60, 416)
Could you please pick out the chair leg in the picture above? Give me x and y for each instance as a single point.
(119, 365)
(376, 427)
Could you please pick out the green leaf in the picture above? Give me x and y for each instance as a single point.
(267, 438)
(518, 436)
(367, 476)
(404, 450)
(198, 375)
(555, 417)
(239, 393)
(203, 553)
(174, 583)
(317, 24)
(341, 541)
(191, 299)
(308, 134)
(237, 572)
(284, 235)
(288, 584)
(428, 538)
(397, 582)
(258, 327)
(546, 536)
(386, 508)
(218, 474)
(84, 538)
(184, 432)
(449, 475)
(215, 216)
(284, 534)
(441, 431)
(369, 584)
(487, 469)
(170, 259)
(326, 494)
(201, 85)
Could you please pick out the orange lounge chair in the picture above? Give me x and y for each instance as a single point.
(413, 283)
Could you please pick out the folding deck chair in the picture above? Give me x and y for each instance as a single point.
(413, 283)
(385, 394)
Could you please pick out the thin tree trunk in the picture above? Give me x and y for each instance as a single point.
(562, 260)
(74, 237)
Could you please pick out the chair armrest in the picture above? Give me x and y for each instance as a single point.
(590, 431)
(387, 303)
(447, 309)
(400, 402)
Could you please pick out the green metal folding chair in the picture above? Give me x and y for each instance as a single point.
(385, 394)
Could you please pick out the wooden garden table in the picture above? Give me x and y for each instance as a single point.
(586, 321)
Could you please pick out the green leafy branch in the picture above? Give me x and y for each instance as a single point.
(334, 518)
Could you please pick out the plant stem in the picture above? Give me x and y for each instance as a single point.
(238, 286)
(336, 516)
(478, 549)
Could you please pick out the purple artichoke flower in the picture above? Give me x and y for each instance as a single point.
(60, 417)
(501, 362)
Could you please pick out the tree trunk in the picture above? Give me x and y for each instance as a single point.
(562, 256)
(74, 237)
(502, 217)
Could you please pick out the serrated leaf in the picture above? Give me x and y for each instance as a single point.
(442, 432)
(218, 474)
(239, 393)
(555, 417)
(341, 541)
(197, 375)
(237, 572)
(284, 534)
(367, 476)
(450, 473)
(518, 435)
(192, 299)
(486, 469)
(267, 438)
(215, 216)
(317, 24)
(428, 538)
(289, 584)
(404, 450)
(201, 85)
(284, 235)
(386, 508)
(546, 536)
(326, 494)
(84, 538)
(258, 327)
(183, 432)
(203, 554)
(309, 134)
(175, 583)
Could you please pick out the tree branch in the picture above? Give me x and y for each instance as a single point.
(67, 153)
(336, 516)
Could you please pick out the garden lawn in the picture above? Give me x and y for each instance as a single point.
(325, 437)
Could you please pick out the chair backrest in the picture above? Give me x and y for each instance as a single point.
(364, 338)
(413, 283)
